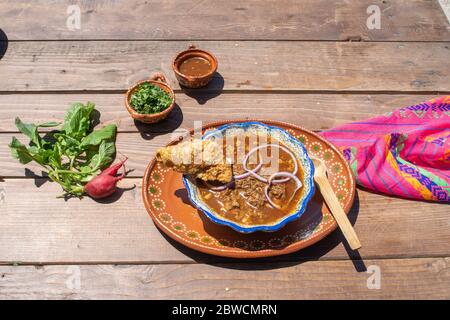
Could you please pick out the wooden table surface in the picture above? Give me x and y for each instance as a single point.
(314, 63)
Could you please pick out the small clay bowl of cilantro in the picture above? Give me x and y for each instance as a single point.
(150, 101)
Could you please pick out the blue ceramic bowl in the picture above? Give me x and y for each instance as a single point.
(284, 137)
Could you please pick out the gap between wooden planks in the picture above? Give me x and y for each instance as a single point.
(261, 65)
(400, 20)
(425, 278)
(37, 228)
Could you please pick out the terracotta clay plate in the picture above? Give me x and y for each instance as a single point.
(166, 201)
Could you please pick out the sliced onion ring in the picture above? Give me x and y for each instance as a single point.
(259, 177)
(271, 180)
(249, 172)
(217, 188)
(288, 175)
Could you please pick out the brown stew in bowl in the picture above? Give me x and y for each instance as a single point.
(195, 67)
(261, 198)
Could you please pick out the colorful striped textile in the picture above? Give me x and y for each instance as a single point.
(405, 153)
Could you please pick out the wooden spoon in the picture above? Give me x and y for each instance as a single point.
(320, 177)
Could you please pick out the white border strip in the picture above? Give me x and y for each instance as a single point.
(445, 5)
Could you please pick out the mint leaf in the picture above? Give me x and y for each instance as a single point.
(30, 130)
(77, 120)
(108, 133)
(69, 145)
(20, 151)
(104, 157)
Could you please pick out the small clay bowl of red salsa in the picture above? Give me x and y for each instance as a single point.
(194, 67)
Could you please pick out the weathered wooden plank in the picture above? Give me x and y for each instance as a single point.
(303, 109)
(399, 279)
(35, 227)
(223, 20)
(243, 65)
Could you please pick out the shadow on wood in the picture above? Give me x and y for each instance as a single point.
(150, 130)
(214, 89)
(39, 180)
(3, 43)
(115, 196)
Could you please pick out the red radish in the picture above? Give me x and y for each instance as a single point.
(112, 170)
(104, 184)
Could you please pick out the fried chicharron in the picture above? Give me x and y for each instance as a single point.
(203, 159)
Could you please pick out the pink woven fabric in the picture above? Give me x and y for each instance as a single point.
(405, 153)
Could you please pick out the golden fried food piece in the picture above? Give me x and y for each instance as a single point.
(203, 159)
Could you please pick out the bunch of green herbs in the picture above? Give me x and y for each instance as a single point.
(149, 99)
(71, 156)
